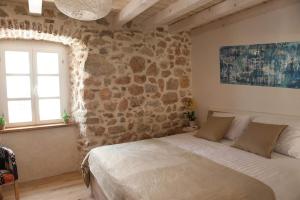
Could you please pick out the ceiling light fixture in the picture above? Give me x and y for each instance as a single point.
(35, 6)
(85, 10)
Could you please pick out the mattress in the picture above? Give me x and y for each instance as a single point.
(281, 173)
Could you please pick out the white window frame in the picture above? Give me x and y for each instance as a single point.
(33, 47)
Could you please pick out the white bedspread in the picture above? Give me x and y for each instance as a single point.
(281, 173)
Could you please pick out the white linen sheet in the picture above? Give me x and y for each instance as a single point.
(281, 173)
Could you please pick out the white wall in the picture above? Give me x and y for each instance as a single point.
(43, 153)
(278, 21)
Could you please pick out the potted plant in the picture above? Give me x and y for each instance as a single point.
(66, 117)
(191, 117)
(2, 122)
(190, 114)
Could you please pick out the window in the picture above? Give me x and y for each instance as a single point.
(34, 82)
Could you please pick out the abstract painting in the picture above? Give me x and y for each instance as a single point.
(273, 65)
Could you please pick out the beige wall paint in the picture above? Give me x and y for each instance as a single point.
(277, 21)
(44, 153)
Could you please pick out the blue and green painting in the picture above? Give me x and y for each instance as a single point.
(273, 65)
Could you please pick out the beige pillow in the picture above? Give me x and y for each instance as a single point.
(215, 128)
(259, 138)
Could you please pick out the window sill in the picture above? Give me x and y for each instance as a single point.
(35, 127)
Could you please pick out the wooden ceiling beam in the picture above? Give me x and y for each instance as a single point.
(132, 10)
(213, 13)
(176, 10)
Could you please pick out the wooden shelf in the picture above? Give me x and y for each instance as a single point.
(36, 127)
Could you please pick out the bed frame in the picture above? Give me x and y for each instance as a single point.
(96, 190)
(211, 110)
(98, 193)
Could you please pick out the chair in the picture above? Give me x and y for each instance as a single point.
(8, 170)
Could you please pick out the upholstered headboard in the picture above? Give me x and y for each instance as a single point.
(253, 113)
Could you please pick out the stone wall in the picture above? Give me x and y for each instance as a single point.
(126, 85)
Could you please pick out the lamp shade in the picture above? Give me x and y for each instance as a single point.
(85, 10)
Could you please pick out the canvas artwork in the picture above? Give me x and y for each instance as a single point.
(273, 65)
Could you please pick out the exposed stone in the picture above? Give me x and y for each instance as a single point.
(122, 37)
(161, 118)
(106, 33)
(184, 82)
(48, 13)
(182, 93)
(49, 21)
(164, 65)
(92, 105)
(147, 51)
(103, 51)
(88, 95)
(152, 70)
(172, 84)
(137, 64)
(160, 29)
(136, 101)
(108, 115)
(169, 109)
(177, 51)
(110, 106)
(170, 98)
(142, 128)
(126, 138)
(135, 89)
(166, 125)
(123, 105)
(123, 119)
(92, 121)
(186, 52)
(161, 84)
(100, 131)
(178, 72)
(152, 80)
(127, 50)
(172, 116)
(117, 95)
(140, 79)
(3, 14)
(157, 95)
(180, 61)
(116, 129)
(166, 73)
(153, 103)
(159, 52)
(111, 122)
(107, 82)
(123, 80)
(105, 94)
(149, 88)
(98, 66)
(162, 44)
(20, 10)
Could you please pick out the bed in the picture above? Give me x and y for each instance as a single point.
(115, 176)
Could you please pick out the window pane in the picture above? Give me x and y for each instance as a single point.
(49, 109)
(47, 63)
(48, 86)
(18, 86)
(19, 111)
(17, 62)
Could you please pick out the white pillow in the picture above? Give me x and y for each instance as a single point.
(289, 140)
(238, 125)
